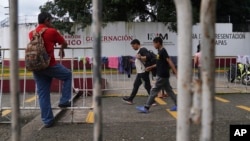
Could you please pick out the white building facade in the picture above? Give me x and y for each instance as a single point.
(116, 38)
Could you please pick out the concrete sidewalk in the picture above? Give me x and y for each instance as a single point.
(222, 86)
(122, 122)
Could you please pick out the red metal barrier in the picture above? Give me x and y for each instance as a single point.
(65, 62)
(30, 85)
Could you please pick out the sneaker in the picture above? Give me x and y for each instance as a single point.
(49, 125)
(142, 109)
(76, 90)
(126, 100)
(65, 105)
(174, 108)
(154, 104)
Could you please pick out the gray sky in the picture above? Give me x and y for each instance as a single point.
(29, 8)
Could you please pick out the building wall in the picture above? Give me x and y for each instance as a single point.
(116, 39)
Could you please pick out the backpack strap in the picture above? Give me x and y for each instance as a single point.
(34, 32)
(40, 32)
(43, 30)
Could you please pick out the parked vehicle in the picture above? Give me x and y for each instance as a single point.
(239, 72)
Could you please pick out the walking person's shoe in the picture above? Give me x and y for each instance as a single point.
(65, 105)
(174, 108)
(127, 100)
(142, 109)
(154, 104)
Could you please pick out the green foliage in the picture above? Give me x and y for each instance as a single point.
(76, 10)
(239, 11)
(80, 11)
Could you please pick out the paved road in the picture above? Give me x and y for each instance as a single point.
(123, 123)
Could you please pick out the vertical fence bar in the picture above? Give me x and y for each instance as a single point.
(224, 72)
(217, 66)
(2, 76)
(84, 79)
(111, 78)
(14, 70)
(96, 31)
(84, 62)
(78, 70)
(24, 86)
(105, 74)
(230, 85)
(184, 19)
(73, 85)
(208, 8)
(194, 69)
(235, 74)
(60, 82)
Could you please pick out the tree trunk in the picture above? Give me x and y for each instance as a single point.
(14, 71)
(208, 8)
(184, 20)
(97, 92)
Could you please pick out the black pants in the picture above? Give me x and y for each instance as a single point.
(141, 78)
(161, 83)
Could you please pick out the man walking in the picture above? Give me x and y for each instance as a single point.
(43, 78)
(163, 64)
(142, 76)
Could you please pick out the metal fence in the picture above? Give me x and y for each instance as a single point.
(231, 73)
(82, 79)
(115, 82)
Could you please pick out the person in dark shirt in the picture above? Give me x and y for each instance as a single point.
(163, 64)
(142, 75)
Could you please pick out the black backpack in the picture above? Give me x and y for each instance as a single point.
(151, 61)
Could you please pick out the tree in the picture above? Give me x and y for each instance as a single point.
(236, 12)
(80, 11)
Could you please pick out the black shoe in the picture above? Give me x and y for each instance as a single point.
(65, 105)
(127, 100)
(49, 125)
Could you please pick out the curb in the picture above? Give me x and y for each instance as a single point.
(145, 95)
(36, 123)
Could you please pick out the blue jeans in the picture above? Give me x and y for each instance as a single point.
(43, 80)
